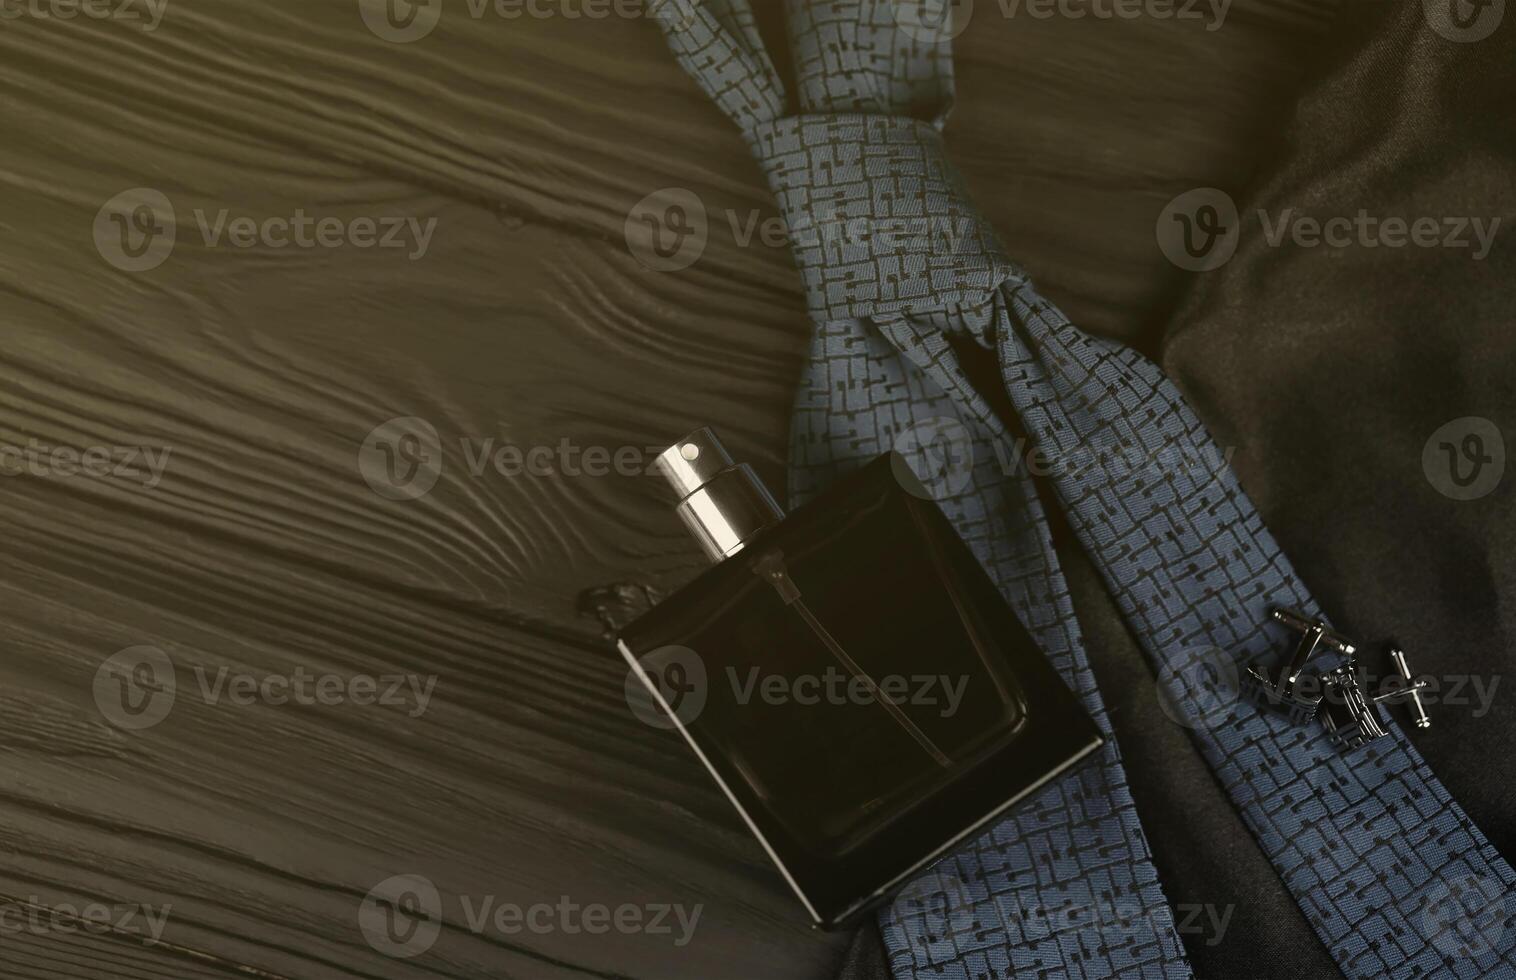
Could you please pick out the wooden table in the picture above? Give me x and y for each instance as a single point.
(261, 371)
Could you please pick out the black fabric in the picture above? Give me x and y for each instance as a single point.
(1330, 369)
(1327, 370)
(865, 958)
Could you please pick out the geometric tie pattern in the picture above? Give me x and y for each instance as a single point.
(911, 293)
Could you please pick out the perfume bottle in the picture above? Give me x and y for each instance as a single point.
(849, 675)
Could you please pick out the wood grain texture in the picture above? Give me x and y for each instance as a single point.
(81, 954)
(262, 370)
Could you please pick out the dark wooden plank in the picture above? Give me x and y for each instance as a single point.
(525, 778)
(82, 953)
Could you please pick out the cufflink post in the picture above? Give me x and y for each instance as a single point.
(1412, 691)
(1331, 639)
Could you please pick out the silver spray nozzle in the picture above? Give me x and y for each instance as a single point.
(721, 502)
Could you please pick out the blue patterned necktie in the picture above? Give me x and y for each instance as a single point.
(902, 276)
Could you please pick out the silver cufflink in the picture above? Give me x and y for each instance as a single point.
(1336, 696)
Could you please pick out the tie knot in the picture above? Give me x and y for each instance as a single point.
(879, 220)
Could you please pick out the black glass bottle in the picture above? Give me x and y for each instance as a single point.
(849, 675)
